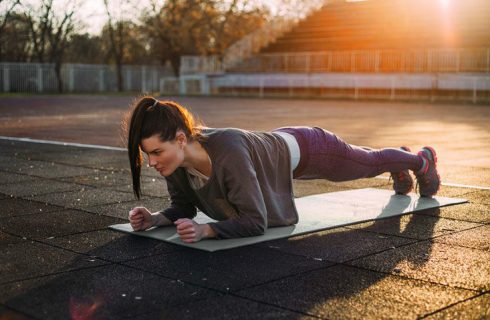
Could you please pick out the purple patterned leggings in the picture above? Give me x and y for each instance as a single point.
(326, 156)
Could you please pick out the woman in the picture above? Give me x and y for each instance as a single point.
(243, 179)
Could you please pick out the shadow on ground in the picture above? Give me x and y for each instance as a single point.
(274, 279)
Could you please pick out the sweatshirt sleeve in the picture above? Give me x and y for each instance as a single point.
(244, 192)
(180, 205)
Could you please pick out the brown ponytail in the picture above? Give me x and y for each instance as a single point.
(149, 117)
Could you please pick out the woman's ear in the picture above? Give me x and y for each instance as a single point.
(181, 139)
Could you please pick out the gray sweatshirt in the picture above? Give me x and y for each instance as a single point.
(250, 187)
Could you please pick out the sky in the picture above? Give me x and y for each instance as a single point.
(93, 14)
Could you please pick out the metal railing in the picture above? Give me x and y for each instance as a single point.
(411, 61)
(201, 64)
(37, 77)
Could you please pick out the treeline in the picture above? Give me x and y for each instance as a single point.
(161, 32)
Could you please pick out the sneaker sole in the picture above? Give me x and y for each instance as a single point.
(405, 148)
(433, 154)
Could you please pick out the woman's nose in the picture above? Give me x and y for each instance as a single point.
(151, 161)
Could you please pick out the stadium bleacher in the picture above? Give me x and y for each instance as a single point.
(390, 24)
(400, 32)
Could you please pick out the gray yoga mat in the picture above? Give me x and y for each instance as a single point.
(316, 212)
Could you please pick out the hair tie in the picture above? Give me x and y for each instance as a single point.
(154, 104)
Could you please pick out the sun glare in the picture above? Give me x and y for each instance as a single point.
(447, 25)
(445, 3)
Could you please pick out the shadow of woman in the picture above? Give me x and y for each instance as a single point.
(418, 226)
(112, 290)
(348, 288)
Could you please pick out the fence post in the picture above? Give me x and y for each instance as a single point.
(240, 87)
(143, 78)
(356, 89)
(308, 61)
(101, 79)
(353, 62)
(39, 72)
(128, 79)
(182, 86)
(392, 96)
(458, 59)
(429, 60)
(404, 62)
(71, 77)
(162, 86)
(376, 61)
(435, 87)
(205, 85)
(6, 79)
(488, 60)
(155, 79)
(474, 90)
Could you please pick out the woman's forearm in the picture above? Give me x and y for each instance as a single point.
(208, 232)
(160, 220)
(205, 230)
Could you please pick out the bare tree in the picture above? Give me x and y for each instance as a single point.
(236, 20)
(197, 27)
(298, 9)
(121, 30)
(7, 8)
(85, 48)
(15, 40)
(50, 33)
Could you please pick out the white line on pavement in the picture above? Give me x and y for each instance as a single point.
(95, 146)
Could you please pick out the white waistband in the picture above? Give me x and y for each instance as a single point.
(293, 147)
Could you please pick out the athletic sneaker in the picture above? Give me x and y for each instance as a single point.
(402, 181)
(428, 179)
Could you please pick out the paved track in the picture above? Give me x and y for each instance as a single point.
(58, 260)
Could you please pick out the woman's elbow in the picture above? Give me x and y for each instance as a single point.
(258, 228)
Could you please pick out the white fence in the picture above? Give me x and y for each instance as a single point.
(470, 87)
(201, 64)
(36, 77)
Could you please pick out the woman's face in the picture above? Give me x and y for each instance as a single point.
(166, 156)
